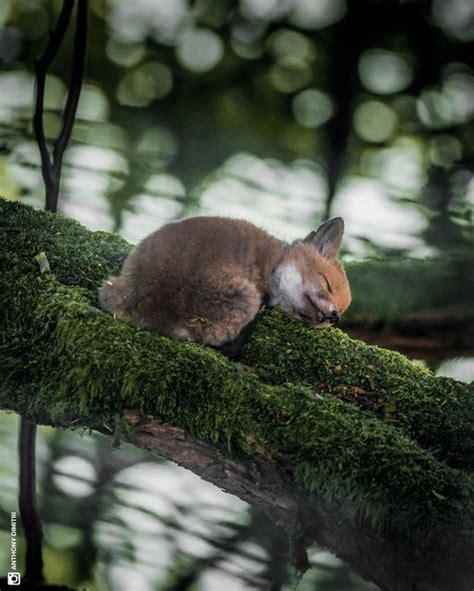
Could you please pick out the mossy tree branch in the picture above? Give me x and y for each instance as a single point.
(343, 444)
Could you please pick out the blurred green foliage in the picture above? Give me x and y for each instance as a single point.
(280, 112)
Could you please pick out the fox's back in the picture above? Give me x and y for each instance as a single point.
(196, 268)
(197, 246)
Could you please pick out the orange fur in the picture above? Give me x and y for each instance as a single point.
(204, 279)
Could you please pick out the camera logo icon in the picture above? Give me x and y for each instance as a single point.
(13, 578)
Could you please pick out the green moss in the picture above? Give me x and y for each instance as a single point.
(436, 412)
(67, 363)
(76, 257)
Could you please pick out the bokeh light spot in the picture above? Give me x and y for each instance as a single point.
(374, 121)
(384, 72)
(264, 9)
(434, 109)
(158, 141)
(93, 103)
(284, 43)
(317, 14)
(290, 74)
(312, 108)
(247, 38)
(152, 80)
(125, 54)
(147, 82)
(74, 475)
(200, 50)
(455, 17)
(20, 93)
(132, 22)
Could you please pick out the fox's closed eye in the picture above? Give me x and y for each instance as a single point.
(328, 286)
(313, 304)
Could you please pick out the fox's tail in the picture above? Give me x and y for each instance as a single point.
(111, 294)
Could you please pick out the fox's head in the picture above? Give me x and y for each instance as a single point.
(310, 283)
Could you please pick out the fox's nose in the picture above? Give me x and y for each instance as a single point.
(333, 317)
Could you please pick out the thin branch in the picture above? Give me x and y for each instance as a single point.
(57, 36)
(77, 76)
(27, 500)
(41, 69)
(51, 166)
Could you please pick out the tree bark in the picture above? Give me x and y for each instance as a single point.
(389, 563)
(342, 444)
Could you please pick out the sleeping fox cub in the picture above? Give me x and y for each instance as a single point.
(204, 279)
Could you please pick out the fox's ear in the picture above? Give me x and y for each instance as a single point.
(327, 238)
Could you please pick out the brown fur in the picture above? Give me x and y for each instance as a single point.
(204, 279)
(314, 268)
